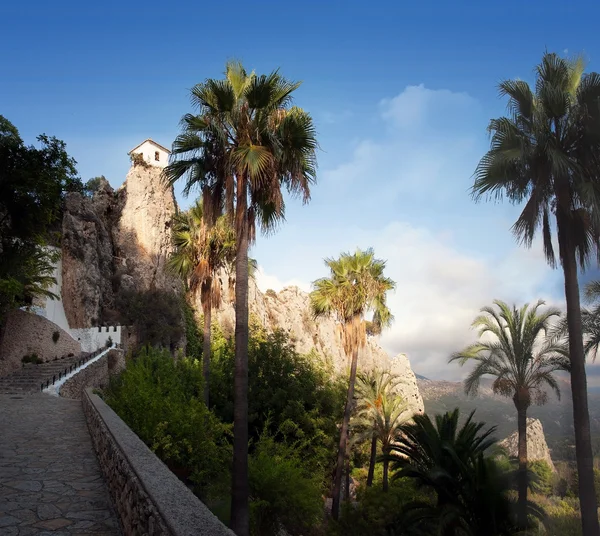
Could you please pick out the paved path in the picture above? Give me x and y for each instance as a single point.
(50, 480)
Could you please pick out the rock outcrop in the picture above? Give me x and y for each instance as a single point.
(289, 310)
(87, 255)
(537, 449)
(115, 241)
(142, 236)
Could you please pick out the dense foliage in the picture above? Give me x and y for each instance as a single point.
(156, 316)
(293, 395)
(293, 426)
(33, 182)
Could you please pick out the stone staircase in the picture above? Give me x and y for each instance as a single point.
(30, 378)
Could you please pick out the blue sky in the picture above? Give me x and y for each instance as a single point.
(401, 95)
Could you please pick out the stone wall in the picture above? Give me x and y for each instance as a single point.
(97, 375)
(26, 333)
(149, 498)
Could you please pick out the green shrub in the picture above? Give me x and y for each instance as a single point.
(284, 492)
(541, 477)
(375, 510)
(31, 358)
(55, 336)
(109, 342)
(156, 316)
(161, 401)
(294, 395)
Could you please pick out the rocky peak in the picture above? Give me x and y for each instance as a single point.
(289, 310)
(114, 241)
(142, 236)
(537, 448)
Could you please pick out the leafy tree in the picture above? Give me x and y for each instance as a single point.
(155, 314)
(283, 489)
(245, 143)
(371, 387)
(160, 399)
(200, 252)
(471, 492)
(293, 396)
(546, 153)
(356, 285)
(515, 349)
(33, 182)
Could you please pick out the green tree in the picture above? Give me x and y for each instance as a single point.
(370, 388)
(33, 183)
(245, 143)
(515, 350)
(546, 153)
(355, 286)
(200, 252)
(471, 492)
(382, 421)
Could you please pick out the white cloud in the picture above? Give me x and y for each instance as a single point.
(418, 107)
(440, 291)
(405, 193)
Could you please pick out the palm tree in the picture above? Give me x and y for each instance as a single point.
(200, 252)
(244, 144)
(440, 456)
(381, 421)
(356, 285)
(546, 153)
(515, 349)
(370, 388)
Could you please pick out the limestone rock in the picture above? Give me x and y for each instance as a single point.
(114, 242)
(87, 256)
(289, 310)
(537, 449)
(142, 235)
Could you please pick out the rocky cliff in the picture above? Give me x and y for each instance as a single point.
(289, 310)
(537, 449)
(116, 241)
(119, 241)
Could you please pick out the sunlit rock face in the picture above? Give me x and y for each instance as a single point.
(537, 449)
(289, 310)
(116, 241)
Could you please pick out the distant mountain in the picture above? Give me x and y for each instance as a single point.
(556, 416)
(419, 377)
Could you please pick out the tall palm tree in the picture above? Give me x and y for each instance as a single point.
(245, 143)
(546, 153)
(382, 422)
(200, 252)
(370, 387)
(356, 285)
(515, 349)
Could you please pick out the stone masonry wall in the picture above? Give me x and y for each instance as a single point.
(96, 375)
(150, 499)
(26, 333)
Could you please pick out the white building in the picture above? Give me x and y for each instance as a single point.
(152, 153)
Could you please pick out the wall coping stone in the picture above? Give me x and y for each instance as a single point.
(182, 512)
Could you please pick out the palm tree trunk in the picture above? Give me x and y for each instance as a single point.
(206, 349)
(581, 416)
(386, 465)
(522, 474)
(372, 461)
(240, 514)
(339, 469)
(347, 472)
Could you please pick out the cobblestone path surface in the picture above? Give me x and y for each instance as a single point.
(50, 480)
